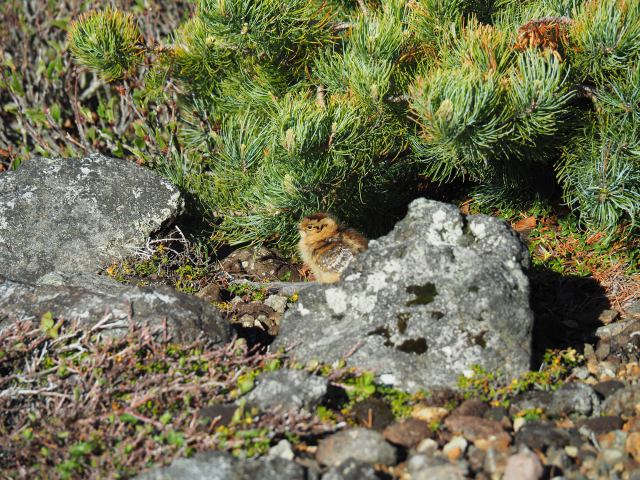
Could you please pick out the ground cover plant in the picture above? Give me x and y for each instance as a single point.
(50, 107)
(78, 403)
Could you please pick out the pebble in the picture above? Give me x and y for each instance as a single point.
(407, 433)
(361, 444)
(471, 408)
(283, 450)
(428, 445)
(574, 398)
(571, 450)
(524, 465)
(277, 302)
(455, 448)
(607, 316)
(623, 402)
(632, 445)
(518, 423)
(288, 389)
(424, 467)
(605, 389)
(429, 414)
(540, 435)
(351, 470)
(599, 425)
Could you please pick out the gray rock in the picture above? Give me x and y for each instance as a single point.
(438, 294)
(599, 425)
(283, 450)
(351, 470)
(360, 444)
(186, 316)
(289, 389)
(223, 466)
(524, 465)
(622, 402)
(427, 467)
(206, 466)
(607, 388)
(277, 302)
(574, 399)
(531, 401)
(541, 435)
(77, 214)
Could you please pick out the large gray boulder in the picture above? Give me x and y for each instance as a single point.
(76, 214)
(438, 294)
(88, 299)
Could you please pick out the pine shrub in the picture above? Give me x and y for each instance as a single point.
(284, 108)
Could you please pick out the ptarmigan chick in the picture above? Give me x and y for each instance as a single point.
(327, 247)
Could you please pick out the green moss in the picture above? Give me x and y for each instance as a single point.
(491, 387)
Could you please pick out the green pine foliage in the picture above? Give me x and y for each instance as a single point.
(108, 41)
(285, 108)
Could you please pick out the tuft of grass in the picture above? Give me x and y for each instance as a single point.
(491, 387)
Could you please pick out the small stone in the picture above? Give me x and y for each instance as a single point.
(277, 302)
(473, 427)
(495, 462)
(574, 399)
(484, 433)
(524, 465)
(471, 408)
(603, 350)
(475, 457)
(607, 371)
(407, 433)
(540, 435)
(518, 423)
(624, 402)
(289, 389)
(556, 457)
(599, 425)
(632, 445)
(373, 413)
(361, 444)
(632, 425)
(283, 450)
(429, 414)
(615, 439)
(425, 467)
(536, 399)
(611, 456)
(632, 307)
(581, 373)
(605, 389)
(210, 293)
(351, 470)
(455, 448)
(235, 300)
(428, 445)
(246, 321)
(571, 451)
(607, 316)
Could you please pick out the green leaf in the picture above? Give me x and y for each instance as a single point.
(46, 322)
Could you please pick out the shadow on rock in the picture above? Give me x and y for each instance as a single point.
(566, 311)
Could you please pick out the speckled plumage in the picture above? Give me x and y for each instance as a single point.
(327, 247)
